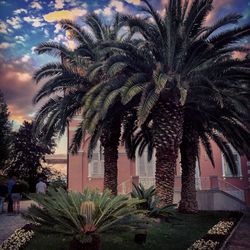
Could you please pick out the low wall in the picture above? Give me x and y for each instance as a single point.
(215, 200)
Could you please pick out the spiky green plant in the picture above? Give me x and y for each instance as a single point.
(151, 203)
(81, 214)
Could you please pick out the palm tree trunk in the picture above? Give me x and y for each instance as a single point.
(167, 133)
(110, 141)
(189, 152)
(110, 168)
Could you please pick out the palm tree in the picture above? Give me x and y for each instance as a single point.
(177, 49)
(68, 83)
(203, 122)
(222, 118)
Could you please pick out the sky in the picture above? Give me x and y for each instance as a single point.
(24, 24)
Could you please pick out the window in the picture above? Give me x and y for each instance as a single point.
(96, 164)
(225, 166)
(144, 167)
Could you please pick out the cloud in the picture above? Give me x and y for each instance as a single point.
(25, 58)
(33, 50)
(242, 55)
(72, 14)
(114, 5)
(35, 21)
(5, 45)
(46, 32)
(117, 5)
(59, 4)
(65, 40)
(15, 22)
(98, 11)
(19, 11)
(135, 2)
(20, 39)
(218, 5)
(57, 28)
(36, 5)
(3, 27)
(59, 38)
(18, 87)
(107, 11)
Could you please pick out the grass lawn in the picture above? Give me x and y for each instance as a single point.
(177, 235)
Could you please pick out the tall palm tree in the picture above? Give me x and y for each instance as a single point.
(69, 82)
(177, 49)
(223, 118)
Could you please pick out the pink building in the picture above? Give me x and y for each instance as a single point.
(217, 181)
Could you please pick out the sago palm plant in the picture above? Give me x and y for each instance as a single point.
(150, 202)
(82, 216)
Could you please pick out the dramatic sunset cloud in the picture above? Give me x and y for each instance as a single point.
(18, 87)
(72, 15)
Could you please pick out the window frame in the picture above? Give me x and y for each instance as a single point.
(100, 162)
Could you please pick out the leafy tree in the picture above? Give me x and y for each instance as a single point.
(5, 133)
(28, 155)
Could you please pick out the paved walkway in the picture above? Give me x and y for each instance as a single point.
(8, 224)
(241, 237)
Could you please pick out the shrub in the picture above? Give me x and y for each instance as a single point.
(150, 202)
(82, 215)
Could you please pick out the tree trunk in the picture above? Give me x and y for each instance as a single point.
(189, 152)
(167, 133)
(110, 141)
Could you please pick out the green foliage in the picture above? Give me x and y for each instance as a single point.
(58, 182)
(24, 186)
(65, 212)
(151, 202)
(5, 133)
(28, 155)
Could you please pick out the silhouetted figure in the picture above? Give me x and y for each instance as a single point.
(11, 182)
(3, 194)
(16, 196)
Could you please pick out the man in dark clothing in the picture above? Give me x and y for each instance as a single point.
(11, 182)
(16, 196)
(3, 194)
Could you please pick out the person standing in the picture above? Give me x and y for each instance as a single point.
(3, 194)
(16, 196)
(11, 182)
(41, 187)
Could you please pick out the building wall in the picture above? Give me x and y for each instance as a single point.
(78, 171)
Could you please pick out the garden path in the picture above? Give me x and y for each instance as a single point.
(241, 237)
(8, 224)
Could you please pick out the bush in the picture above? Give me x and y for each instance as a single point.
(58, 183)
(150, 202)
(82, 215)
